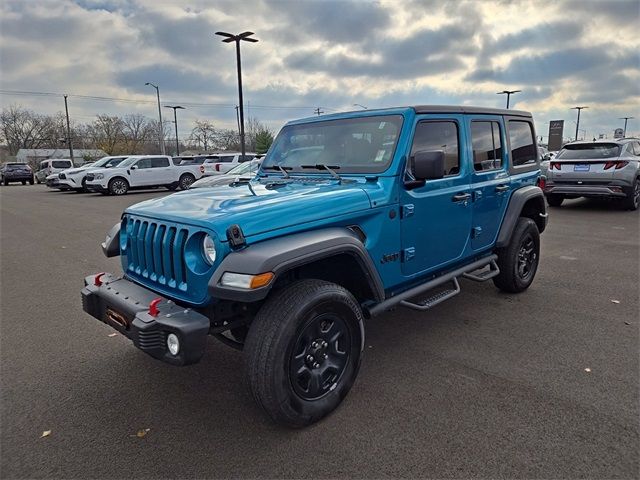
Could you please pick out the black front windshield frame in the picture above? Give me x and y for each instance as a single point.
(364, 144)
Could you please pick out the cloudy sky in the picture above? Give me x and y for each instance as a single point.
(327, 54)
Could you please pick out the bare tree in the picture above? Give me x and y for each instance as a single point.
(22, 128)
(107, 133)
(137, 131)
(203, 134)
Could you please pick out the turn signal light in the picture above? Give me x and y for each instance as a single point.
(201, 168)
(542, 182)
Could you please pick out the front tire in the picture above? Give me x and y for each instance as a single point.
(186, 180)
(518, 261)
(554, 200)
(118, 186)
(303, 351)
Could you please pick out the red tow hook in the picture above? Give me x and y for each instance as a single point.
(97, 280)
(153, 307)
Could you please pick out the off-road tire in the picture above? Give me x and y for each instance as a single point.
(186, 179)
(512, 277)
(632, 201)
(118, 186)
(554, 200)
(280, 326)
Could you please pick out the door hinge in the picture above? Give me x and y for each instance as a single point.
(408, 254)
(407, 210)
(476, 232)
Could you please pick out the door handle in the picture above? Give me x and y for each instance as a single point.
(502, 188)
(461, 197)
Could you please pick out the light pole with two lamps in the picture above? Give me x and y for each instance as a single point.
(175, 120)
(229, 37)
(160, 126)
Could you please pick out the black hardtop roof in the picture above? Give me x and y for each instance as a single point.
(468, 109)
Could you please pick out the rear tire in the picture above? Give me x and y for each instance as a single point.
(632, 201)
(186, 179)
(24, 182)
(303, 351)
(38, 181)
(554, 200)
(518, 261)
(6, 182)
(118, 186)
(31, 182)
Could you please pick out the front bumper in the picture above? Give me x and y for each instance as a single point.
(96, 187)
(124, 305)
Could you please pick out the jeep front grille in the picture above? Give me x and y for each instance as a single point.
(156, 251)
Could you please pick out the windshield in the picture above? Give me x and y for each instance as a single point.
(352, 145)
(102, 162)
(589, 151)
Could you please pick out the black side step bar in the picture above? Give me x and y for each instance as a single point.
(448, 277)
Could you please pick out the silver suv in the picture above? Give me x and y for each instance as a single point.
(602, 168)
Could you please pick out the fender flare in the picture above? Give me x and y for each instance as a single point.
(516, 203)
(281, 254)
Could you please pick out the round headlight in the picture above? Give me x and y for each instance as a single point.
(209, 249)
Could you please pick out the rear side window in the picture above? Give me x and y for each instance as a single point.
(226, 158)
(246, 158)
(589, 151)
(159, 162)
(61, 164)
(523, 145)
(487, 146)
(433, 136)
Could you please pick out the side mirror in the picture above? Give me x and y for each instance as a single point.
(133, 167)
(428, 165)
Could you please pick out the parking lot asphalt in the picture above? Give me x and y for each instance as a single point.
(542, 384)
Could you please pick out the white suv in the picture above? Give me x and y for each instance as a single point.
(142, 171)
(222, 162)
(75, 178)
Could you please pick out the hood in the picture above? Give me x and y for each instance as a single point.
(271, 208)
(213, 181)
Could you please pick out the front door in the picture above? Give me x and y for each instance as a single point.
(489, 180)
(436, 217)
(141, 175)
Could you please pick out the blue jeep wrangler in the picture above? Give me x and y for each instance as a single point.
(350, 214)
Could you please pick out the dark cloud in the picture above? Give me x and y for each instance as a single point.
(334, 21)
(546, 35)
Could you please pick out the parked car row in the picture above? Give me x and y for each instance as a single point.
(116, 175)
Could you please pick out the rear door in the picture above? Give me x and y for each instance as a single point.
(436, 217)
(489, 180)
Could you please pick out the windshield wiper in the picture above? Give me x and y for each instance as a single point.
(280, 168)
(328, 168)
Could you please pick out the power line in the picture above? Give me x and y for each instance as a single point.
(147, 102)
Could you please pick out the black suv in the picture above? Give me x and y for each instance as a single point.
(16, 172)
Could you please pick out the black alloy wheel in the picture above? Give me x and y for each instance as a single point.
(319, 356)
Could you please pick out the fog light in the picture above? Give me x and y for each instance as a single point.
(173, 344)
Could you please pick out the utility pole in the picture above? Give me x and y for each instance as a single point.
(578, 122)
(508, 93)
(318, 112)
(625, 125)
(161, 125)
(66, 109)
(229, 37)
(238, 119)
(175, 120)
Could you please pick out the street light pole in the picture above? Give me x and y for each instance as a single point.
(625, 125)
(66, 109)
(508, 93)
(578, 122)
(229, 37)
(175, 120)
(161, 126)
